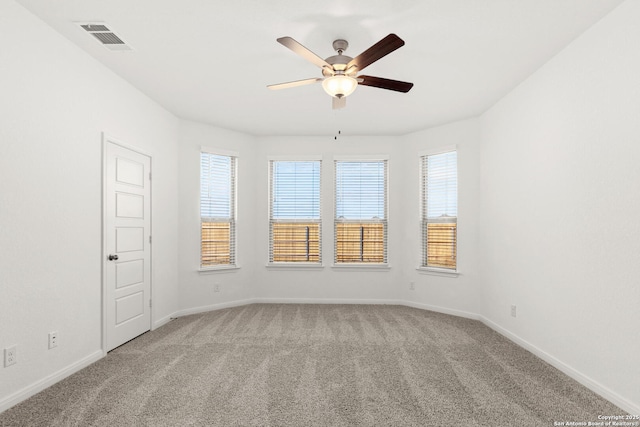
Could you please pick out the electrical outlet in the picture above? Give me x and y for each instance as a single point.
(513, 311)
(53, 339)
(10, 356)
(412, 286)
(216, 287)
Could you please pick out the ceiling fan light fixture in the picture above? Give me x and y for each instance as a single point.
(339, 71)
(339, 86)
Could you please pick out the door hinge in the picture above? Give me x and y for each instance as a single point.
(150, 305)
(149, 176)
(149, 238)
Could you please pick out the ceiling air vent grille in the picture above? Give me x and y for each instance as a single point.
(104, 35)
(94, 27)
(108, 38)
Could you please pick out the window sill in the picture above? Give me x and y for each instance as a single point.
(354, 266)
(219, 269)
(438, 272)
(294, 266)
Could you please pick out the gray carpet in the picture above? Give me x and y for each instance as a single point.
(315, 365)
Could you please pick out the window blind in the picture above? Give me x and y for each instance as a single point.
(440, 210)
(295, 210)
(217, 209)
(360, 212)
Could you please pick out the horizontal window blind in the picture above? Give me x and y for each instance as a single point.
(217, 209)
(360, 234)
(294, 213)
(361, 189)
(295, 189)
(440, 210)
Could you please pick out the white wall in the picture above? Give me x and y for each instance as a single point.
(548, 208)
(329, 284)
(560, 207)
(457, 295)
(255, 282)
(197, 288)
(55, 101)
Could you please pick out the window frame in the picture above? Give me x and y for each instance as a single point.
(384, 265)
(423, 267)
(232, 220)
(271, 264)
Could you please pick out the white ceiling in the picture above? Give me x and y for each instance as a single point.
(210, 61)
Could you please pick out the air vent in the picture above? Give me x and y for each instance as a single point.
(107, 37)
(94, 27)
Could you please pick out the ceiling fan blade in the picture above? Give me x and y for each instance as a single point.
(396, 85)
(304, 52)
(377, 51)
(293, 84)
(338, 103)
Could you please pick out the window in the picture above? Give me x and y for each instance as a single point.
(294, 213)
(361, 212)
(217, 210)
(440, 210)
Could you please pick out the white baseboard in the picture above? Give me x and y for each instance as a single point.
(443, 310)
(583, 379)
(163, 321)
(327, 301)
(48, 381)
(212, 307)
(238, 303)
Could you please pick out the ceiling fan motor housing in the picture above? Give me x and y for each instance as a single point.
(338, 62)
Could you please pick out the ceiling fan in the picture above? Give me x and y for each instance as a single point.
(340, 71)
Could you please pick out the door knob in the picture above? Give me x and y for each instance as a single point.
(113, 257)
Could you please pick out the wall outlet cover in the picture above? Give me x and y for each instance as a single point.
(53, 339)
(10, 356)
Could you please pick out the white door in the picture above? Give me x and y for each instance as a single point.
(127, 228)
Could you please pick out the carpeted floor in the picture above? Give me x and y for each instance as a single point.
(315, 365)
